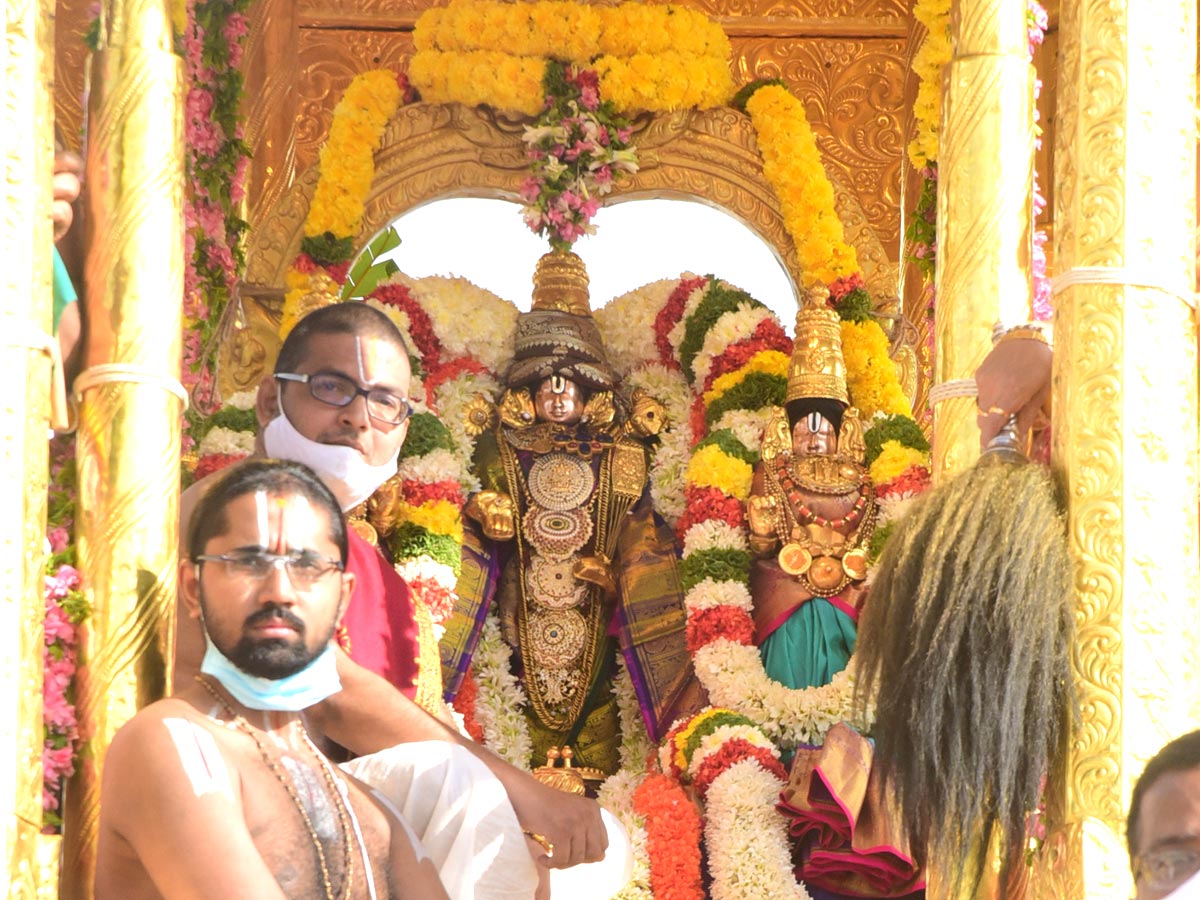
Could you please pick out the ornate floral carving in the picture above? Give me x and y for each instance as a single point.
(328, 62)
(804, 9)
(853, 91)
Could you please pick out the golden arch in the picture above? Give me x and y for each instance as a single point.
(434, 151)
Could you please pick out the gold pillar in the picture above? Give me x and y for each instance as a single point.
(128, 445)
(25, 325)
(1125, 411)
(984, 218)
(269, 104)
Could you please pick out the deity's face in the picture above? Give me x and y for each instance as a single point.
(559, 400)
(814, 435)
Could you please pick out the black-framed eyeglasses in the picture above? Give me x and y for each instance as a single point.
(1167, 867)
(338, 390)
(304, 569)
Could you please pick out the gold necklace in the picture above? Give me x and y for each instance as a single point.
(343, 817)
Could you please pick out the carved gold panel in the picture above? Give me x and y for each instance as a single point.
(803, 9)
(328, 62)
(71, 20)
(853, 92)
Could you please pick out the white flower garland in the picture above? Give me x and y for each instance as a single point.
(616, 795)
(669, 463)
(450, 399)
(437, 465)
(675, 335)
(734, 676)
(626, 324)
(714, 535)
(635, 740)
(500, 704)
(709, 594)
(715, 740)
(746, 837)
(737, 324)
(227, 441)
(746, 424)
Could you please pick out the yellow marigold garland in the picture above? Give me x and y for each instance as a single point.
(440, 517)
(655, 58)
(895, 459)
(870, 373)
(711, 467)
(348, 156)
(792, 165)
(772, 362)
(570, 31)
(932, 56)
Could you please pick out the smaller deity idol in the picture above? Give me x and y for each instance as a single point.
(584, 566)
(811, 512)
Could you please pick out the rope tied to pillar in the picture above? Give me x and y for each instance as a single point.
(126, 373)
(1122, 275)
(27, 335)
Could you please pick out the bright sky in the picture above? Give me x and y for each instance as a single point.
(636, 242)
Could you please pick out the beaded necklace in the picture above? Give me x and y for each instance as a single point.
(339, 804)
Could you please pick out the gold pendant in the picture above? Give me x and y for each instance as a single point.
(855, 564)
(794, 559)
(825, 573)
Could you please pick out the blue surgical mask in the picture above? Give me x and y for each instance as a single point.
(312, 684)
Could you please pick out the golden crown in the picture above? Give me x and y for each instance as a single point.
(560, 282)
(817, 369)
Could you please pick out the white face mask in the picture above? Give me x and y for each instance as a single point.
(300, 690)
(351, 478)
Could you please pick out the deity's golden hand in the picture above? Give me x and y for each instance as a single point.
(648, 416)
(383, 507)
(597, 570)
(494, 511)
(761, 513)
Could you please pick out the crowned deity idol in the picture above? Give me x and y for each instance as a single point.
(575, 561)
(811, 512)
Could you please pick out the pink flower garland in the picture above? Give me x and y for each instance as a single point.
(216, 162)
(65, 610)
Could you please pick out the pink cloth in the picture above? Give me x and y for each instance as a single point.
(379, 618)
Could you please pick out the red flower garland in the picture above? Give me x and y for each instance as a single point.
(914, 479)
(718, 622)
(418, 493)
(669, 316)
(706, 504)
(767, 336)
(698, 420)
(464, 702)
(215, 462)
(844, 285)
(434, 378)
(734, 751)
(420, 327)
(673, 834)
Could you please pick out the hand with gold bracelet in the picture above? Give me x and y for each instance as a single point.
(1014, 378)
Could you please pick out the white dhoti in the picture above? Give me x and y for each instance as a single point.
(461, 814)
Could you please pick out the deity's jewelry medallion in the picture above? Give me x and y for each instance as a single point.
(560, 482)
(557, 533)
(794, 559)
(557, 637)
(826, 573)
(855, 564)
(542, 445)
(552, 583)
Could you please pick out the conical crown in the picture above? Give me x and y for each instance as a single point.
(558, 335)
(817, 369)
(560, 282)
